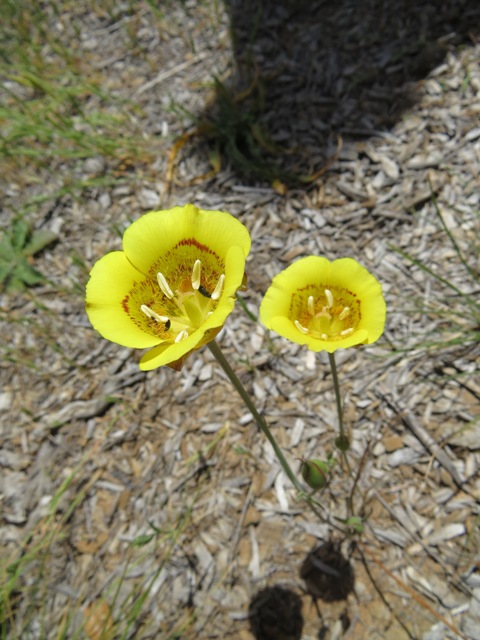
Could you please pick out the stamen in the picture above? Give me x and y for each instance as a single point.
(181, 336)
(311, 305)
(344, 314)
(217, 292)
(346, 332)
(300, 327)
(163, 284)
(196, 272)
(329, 297)
(150, 313)
(324, 336)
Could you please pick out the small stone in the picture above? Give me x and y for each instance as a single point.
(403, 456)
(392, 443)
(6, 399)
(105, 200)
(149, 199)
(94, 166)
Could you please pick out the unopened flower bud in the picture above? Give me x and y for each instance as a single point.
(315, 473)
(342, 443)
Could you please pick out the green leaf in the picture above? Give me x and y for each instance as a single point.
(20, 232)
(141, 541)
(28, 274)
(5, 270)
(39, 240)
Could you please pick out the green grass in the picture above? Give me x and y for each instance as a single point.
(27, 580)
(56, 107)
(453, 309)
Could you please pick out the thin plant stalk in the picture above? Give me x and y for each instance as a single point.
(262, 425)
(343, 438)
(336, 385)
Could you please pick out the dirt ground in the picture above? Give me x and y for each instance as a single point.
(149, 503)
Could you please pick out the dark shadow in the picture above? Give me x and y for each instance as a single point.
(309, 71)
(276, 614)
(328, 575)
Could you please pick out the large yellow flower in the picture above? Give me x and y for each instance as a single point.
(325, 305)
(173, 285)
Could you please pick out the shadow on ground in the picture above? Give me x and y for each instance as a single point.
(308, 72)
(275, 612)
(327, 573)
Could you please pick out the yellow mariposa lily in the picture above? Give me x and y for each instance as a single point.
(325, 305)
(173, 285)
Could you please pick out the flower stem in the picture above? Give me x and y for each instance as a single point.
(260, 420)
(343, 441)
(333, 367)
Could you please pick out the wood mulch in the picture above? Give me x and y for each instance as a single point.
(388, 103)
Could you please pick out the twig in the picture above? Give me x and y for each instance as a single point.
(425, 438)
(413, 593)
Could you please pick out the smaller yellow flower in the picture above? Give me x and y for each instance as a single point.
(173, 285)
(325, 305)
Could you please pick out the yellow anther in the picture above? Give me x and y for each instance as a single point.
(346, 332)
(329, 297)
(217, 292)
(150, 313)
(344, 314)
(300, 327)
(163, 284)
(196, 273)
(181, 336)
(311, 305)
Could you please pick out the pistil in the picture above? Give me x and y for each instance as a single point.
(191, 308)
(324, 323)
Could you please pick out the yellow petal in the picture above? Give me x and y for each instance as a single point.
(151, 237)
(111, 279)
(234, 270)
(170, 354)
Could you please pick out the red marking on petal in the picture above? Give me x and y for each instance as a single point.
(191, 242)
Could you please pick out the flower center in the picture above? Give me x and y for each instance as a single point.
(326, 314)
(174, 307)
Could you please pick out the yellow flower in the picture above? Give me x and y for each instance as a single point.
(173, 285)
(325, 305)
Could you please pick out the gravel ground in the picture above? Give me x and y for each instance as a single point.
(352, 130)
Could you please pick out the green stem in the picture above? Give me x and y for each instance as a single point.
(262, 425)
(343, 437)
(333, 367)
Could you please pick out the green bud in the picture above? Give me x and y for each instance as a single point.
(355, 524)
(315, 473)
(342, 443)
